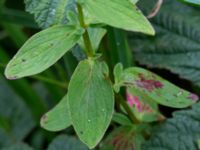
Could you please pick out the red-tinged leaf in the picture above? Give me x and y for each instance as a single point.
(144, 110)
(123, 138)
(154, 88)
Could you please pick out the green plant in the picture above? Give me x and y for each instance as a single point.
(95, 97)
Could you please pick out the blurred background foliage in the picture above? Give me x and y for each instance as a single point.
(173, 53)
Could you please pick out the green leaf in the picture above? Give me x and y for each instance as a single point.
(64, 142)
(121, 119)
(16, 120)
(91, 101)
(123, 138)
(183, 128)
(48, 13)
(18, 146)
(42, 50)
(176, 46)
(58, 118)
(154, 88)
(118, 73)
(96, 35)
(197, 2)
(118, 13)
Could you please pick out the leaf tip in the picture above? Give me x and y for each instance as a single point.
(152, 31)
(8, 75)
(44, 120)
(193, 97)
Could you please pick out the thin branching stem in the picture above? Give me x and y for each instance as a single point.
(156, 9)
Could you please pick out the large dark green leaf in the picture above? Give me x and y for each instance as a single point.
(182, 132)
(176, 45)
(15, 118)
(64, 142)
(150, 87)
(118, 13)
(18, 146)
(42, 50)
(91, 101)
(49, 12)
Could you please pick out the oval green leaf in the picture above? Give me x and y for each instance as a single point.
(42, 50)
(58, 118)
(91, 101)
(119, 13)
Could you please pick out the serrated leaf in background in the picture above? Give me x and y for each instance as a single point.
(176, 46)
(15, 124)
(182, 132)
(18, 146)
(64, 142)
(49, 12)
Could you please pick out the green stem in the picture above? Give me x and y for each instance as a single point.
(86, 38)
(120, 100)
(51, 81)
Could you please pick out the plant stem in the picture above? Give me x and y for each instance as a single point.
(120, 100)
(86, 38)
(50, 81)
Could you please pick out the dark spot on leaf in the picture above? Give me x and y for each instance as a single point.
(44, 119)
(148, 84)
(81, 132)
(193, 97)
(23, 60)
(181, 102)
